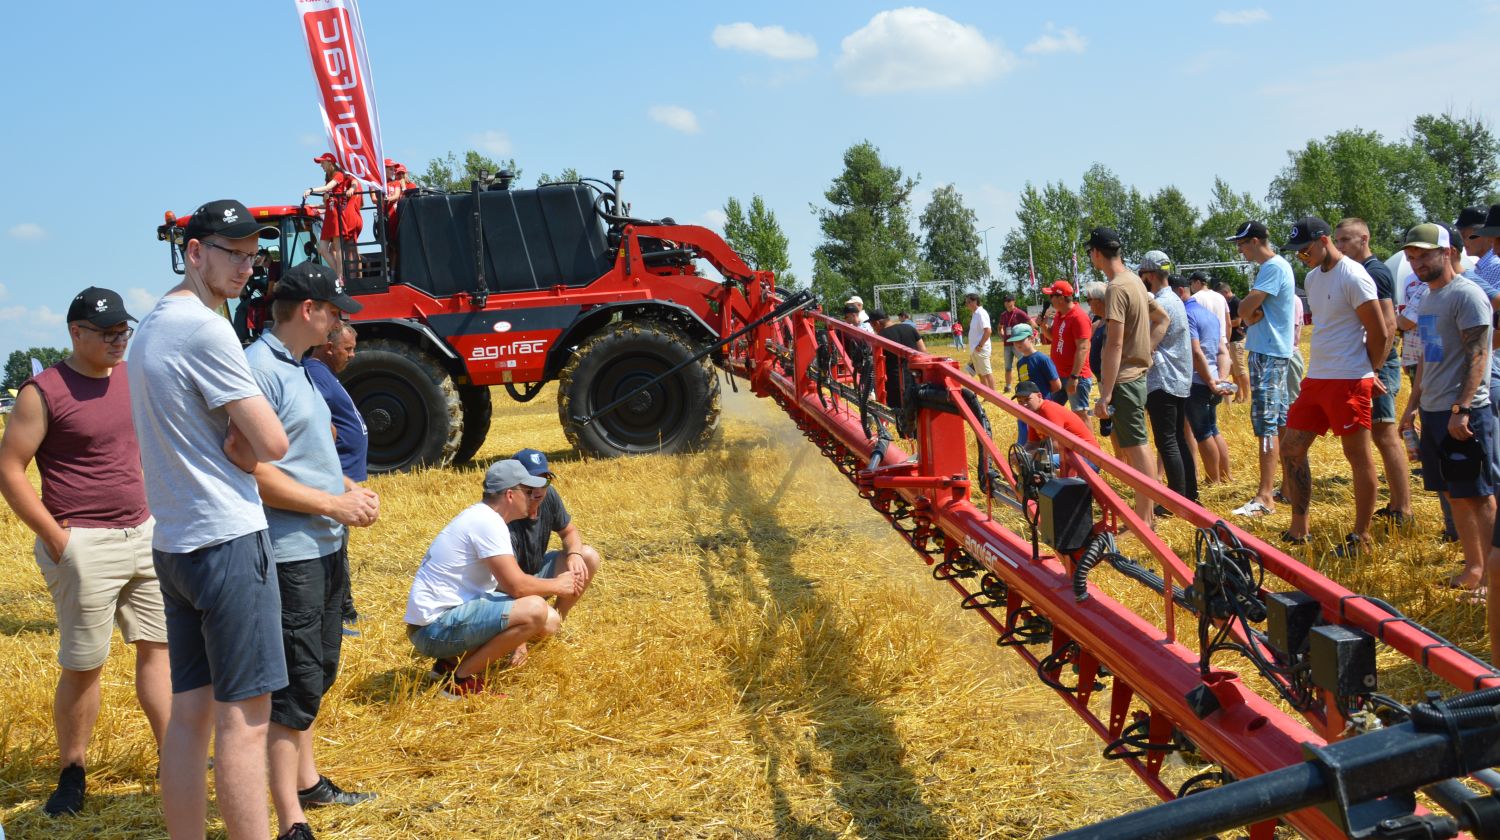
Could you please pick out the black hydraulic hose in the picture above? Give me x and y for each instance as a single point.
(1395, 760)
(1093, 553)
(1242, 803)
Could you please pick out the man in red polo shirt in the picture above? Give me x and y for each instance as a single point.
(1071, 335)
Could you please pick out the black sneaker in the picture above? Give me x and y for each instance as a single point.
(68, 798)
(298, 831)
(325, 792)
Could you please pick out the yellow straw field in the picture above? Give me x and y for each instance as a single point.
(759, 657)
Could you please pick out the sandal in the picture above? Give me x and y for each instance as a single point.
(1286, 537)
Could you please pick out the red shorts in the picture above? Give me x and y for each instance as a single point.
(1339, 405)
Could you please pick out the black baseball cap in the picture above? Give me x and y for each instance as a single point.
(1251, 229)
(101, 307)
(877, 315)
(1470, 217)
(1027, 388)
(1102, 237)
(1305, 231)
(1491, 222)
(310, 281)
(1178, 281)
(227, 218)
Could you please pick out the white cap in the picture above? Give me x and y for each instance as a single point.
(856, 300)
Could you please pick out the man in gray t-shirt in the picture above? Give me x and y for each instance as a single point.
(1457, 444)
(203, 425)
(530, 537)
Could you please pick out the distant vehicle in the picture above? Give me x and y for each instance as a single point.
(7, 403)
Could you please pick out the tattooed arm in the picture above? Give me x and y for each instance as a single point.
(1476, 342)
(1476, 367)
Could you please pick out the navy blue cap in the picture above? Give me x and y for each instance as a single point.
(534, 461)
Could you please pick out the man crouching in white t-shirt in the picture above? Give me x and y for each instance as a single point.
(455, 612)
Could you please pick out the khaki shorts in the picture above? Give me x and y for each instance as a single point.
(104, 577)
(1237, 367)
(981, 363)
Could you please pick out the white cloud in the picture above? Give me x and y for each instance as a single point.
(4, 292)
(1054, 40)
(918, 49)
(715, 219)
(1242, 17)
(312, 140)
(772, 41)
(675, 117)
(38, 316)
(27, 230)
(492, 142)
(138, 301)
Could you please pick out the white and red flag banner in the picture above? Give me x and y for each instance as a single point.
(346, 95)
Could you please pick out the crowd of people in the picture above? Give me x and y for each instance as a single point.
(199, 496)
(1167, 350)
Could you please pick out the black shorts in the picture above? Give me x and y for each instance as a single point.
(223, 610)
(312, 632)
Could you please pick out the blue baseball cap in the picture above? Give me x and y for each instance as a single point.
(534, 461)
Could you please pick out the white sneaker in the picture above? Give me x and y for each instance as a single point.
(1251, 508)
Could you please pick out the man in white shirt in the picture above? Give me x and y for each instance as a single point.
(979, 340)
(457, 612)
(1348, 346)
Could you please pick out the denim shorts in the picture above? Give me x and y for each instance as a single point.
(1268, 397)
(1383, 406)
(1203, 412)
(464, 627)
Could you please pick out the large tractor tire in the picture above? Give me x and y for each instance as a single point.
(410, 405)
(677, 414)
(475, 400)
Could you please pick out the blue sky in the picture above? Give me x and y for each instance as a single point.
(117, 112)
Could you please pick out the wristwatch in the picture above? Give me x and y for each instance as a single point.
(1462, 409)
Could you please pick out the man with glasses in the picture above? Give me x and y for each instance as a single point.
(93, 529)
(1268, 310)
(548, 516)
(203, 424)
(1350, 342)
(1072, 337)
(309, 504)
(460, 611)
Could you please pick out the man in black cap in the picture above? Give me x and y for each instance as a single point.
(1348, 346)
(200, 417)
(308, 504)
(1483, 240)
(92, 526)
